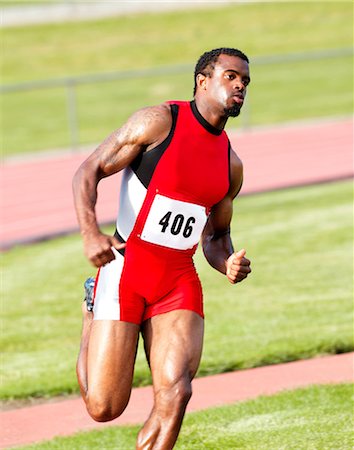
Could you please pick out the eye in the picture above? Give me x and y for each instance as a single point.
(230, 76)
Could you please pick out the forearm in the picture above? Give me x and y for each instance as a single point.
(217, 249)
(85, 197)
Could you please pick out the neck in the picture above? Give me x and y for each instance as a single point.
(215, 117)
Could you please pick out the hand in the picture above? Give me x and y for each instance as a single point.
(98, 248)
(237, 267)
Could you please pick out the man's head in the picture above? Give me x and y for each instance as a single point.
(224, 73)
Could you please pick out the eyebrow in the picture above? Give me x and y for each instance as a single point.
(246, 77)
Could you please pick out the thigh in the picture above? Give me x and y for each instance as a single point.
(110, 364)
(115, 297)
(173, 344)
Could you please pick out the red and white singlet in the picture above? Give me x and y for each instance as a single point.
(165, 198)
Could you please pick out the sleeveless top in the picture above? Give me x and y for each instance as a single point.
(167, 192)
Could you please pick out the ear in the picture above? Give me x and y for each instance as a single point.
(201, 81)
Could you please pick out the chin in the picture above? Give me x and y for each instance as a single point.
(233, 112)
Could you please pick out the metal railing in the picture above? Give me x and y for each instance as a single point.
(70, 84)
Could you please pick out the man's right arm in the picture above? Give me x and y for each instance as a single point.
(146, 128)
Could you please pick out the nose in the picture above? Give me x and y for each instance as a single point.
(239, 84)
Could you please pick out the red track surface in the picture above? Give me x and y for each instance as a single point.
(37, 200)
(43, 422)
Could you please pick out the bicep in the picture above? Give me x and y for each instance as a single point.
(122, 146)
(115, 153)
(221, 214)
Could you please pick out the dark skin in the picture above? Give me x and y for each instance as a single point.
(173, 341)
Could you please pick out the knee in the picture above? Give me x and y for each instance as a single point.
(183, 393)
(104, 410)
(177, 395)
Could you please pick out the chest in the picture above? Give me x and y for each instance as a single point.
(194, 168)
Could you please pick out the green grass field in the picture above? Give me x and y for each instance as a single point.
(37, 120)
(149, 40)
(296, 304)
(315, 418)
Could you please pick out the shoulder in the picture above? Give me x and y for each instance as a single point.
(147, 125)
(158, 114)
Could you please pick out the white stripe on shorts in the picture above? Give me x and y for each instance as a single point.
(106, 304)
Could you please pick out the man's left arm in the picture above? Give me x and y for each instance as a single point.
(216, 240)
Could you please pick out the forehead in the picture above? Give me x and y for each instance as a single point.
(227, 62)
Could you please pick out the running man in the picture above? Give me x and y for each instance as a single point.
(180, 177)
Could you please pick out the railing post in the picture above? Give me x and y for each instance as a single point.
(72, 114)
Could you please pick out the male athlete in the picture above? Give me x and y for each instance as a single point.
(180, 177)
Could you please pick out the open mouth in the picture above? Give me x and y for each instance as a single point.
(238, 98)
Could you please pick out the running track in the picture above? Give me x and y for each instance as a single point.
(36, 200)
(43, 422)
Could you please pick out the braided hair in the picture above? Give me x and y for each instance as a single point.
(206, 63)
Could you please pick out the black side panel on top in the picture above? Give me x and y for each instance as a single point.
(144, 164)
(230, 175)
(120, 239)
(230, 150)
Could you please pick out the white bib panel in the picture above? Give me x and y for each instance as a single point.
(174, 223)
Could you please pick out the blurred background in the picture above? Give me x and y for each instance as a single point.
(66, 85)
(73, 72)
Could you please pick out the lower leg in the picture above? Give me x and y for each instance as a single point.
(173, 345)
(81, 366)
(161, 430)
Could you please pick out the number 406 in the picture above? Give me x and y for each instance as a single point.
(179, 222)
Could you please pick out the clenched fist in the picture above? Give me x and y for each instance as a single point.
(98, 248)
(237, 267)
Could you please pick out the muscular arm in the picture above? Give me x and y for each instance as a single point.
(146, 128)
(216, 240)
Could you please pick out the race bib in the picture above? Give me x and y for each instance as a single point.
(173, 223)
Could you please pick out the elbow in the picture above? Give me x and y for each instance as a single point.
(77, 179)
(86, 175)
(205, 240)
(206, 244)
